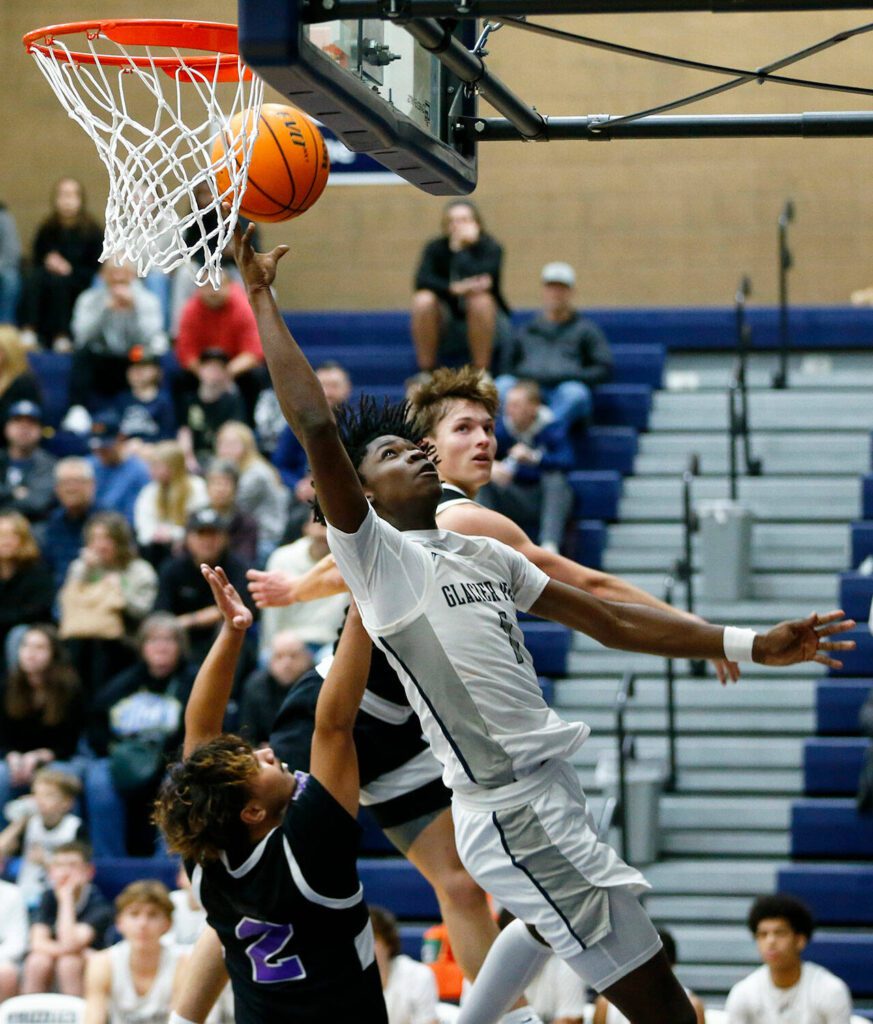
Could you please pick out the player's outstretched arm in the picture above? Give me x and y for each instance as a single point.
(204, 713)
(272, 588)
(334, 761)
(629, 627)
(476, 521)
(202, 980)
(299, 391)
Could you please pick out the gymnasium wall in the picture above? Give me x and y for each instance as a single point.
(672, 223)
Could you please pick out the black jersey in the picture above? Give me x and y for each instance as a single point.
(292, 919)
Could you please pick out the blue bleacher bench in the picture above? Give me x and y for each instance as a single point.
(837, 703)
(549, 645)
(861, 533)
(833, 765)
(598, 493)
(835, 893)
(609, 448)
(589, 542)
(858, 662)
(411, 936)
(867, 496)
(112, 874)
(398, 885)
(623, 405)
(856, 593)
(848, 956)
(638, 364)
(830, 828)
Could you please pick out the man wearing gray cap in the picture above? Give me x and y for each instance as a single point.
(564, 352)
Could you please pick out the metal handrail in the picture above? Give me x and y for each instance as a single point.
(738, 397)
(786, 262)
(625, 749)
(670, 681)
(684, 567)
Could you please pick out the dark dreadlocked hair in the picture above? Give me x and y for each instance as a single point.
(362, 422)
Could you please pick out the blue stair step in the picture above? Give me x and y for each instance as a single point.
(623, 405)
(858, 662)
(835, 893)
(549, 645)
(610, 448)
(837, 704)
(396, 884)
(832, 766)
(598, 493)
(589, 542)
(847, 956)
(856, 593)
(830, 828)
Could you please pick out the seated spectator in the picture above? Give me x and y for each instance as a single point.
(26, 471)
(65, 258)
(315, 622)
(265, 689)
(163, 505)
(222, 318)
(786, 988)
(10, 275)
(184, 593)
(529, 477)
(145, 410)
(40, 823)
(563, 351)
(26, 586)
(261, 492)
(134, 723)
(408, 986)
(43, 712)
(60, 536)
(18, 383)
(222, 485)
(606, 1013)
(72, 920)
(118, 476)
(107, 592)
(458, 310)
(112, 318)
(217, 401)
(133, 982)
(13, 937)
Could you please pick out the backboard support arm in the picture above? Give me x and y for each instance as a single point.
(596, 128)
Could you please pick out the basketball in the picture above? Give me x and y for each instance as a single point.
(288, 168)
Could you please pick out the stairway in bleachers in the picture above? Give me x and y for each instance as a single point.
(750, 767)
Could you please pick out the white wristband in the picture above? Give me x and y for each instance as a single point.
(738, 643)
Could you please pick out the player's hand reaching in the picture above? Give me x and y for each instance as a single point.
(233, 610)
(258, 269)
(804, 640)
(271, 588)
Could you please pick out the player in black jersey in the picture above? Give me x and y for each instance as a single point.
(272, 852)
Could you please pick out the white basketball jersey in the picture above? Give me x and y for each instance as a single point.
(443, 608)
(32, 878)
(126, 1005)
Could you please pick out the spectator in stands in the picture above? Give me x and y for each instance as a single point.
(13, 937)
(134, 981)
(145, 410)
(163, 505)
(265, 689)
(785, 987)
(43, 712)
(458, 310)
(26, 585)
(73, 919)
(408, 986)
(315, 622)
(107, 592)
(118, 476)
(222, 485)
(134, 723)
(10, 276)
(529, 477)
(261, 492)
(563, 351)
(26, 471)
(217, 401)
(222, 318)
(66, 256)
(40, 823)
(183, 592)
(110, 319)
(606, 1013)
(17, 381)
(60, 536)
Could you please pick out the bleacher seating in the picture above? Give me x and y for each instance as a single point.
(859, 661)
(856, 593)
(589, 542)
(837, 894)
(832, 765)
(830, 828)
(597, 493)
(848, 956)
(838, 702)
(549, 645)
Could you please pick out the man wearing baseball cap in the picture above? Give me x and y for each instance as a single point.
(119, 476)
(564, 352)
(26, 471)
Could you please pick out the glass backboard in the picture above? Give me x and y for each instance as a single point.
(372, 84)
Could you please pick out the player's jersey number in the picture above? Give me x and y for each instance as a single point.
(265, 952)
(506, 626)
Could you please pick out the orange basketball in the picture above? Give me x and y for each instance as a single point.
(289, 165)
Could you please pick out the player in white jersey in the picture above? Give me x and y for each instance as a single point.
(443, 609)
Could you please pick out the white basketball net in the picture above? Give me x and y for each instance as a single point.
(155, 168)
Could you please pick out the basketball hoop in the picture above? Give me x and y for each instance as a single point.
(157, 161)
